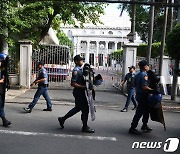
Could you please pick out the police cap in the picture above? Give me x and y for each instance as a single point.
(40, 63)
(132, 67)
(78, 58)
(142, 63)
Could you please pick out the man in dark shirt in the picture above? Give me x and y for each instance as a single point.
(130, 88)
(81, 103)
(142, 90)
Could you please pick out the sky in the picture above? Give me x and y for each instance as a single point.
(112, 17)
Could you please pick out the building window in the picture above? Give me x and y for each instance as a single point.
(83, 44)
(83, 56)
(119, 45)
(101, 32)
(91, 59)
(110, 45)
(110, 32)
(100, 59)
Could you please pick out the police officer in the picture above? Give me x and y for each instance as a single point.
(81, 103)
(3, 75)
(142, 89)
(130, 88)
(42, 81)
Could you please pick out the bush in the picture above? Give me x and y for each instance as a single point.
(155, 52)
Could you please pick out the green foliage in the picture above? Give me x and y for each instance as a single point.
(142, 20)
(115, 55)
(173, 43)
(143, 48)
(23, 19)
(64, 40)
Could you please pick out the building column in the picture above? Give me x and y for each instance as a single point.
(115, 48)
(25, 63)
(87, 52)
(97, 54)
(105, 54)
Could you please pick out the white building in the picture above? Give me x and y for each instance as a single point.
(96, 42)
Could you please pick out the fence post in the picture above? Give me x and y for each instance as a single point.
(129, 58)
(25, 63)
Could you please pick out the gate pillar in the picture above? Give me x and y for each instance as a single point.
(25, 63)
(129, 57)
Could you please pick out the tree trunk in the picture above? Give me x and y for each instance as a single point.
(47, 26)
(174, 86)
(150, 33)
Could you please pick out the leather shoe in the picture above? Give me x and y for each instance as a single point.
(48, 109)
(87, 130)
(27, 110)
(124, 110)
(6, 123)
(145, 128)
(134, 131)
(61, 122)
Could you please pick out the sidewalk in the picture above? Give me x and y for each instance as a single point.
(12, 93)
(12, 96)
(167, 103)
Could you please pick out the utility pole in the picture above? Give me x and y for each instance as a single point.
(176, 67)
(163, 39)
(133, 20)
(171, 16)
(131, 35)
(150, 34)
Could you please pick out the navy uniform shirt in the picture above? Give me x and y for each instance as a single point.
(130, 80)
(42, 73)
(78, 77)
(140, 80)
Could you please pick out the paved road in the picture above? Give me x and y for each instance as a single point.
(39, 132)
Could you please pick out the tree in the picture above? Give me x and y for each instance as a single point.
(32, 19)
(173, 43)
(64, 40)
(173, 47)
(142, 20)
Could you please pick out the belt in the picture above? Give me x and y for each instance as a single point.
(44, 85)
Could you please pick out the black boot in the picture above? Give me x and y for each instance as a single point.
(61, 122)
(145, 128)
(6, 123)
(134, 131)
(87, 129)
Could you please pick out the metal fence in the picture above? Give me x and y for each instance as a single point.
(13, 63)
(57, 60)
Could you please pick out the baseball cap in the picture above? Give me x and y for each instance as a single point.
(132, 67)
(78, 58)
(142, 63)
(40, 63)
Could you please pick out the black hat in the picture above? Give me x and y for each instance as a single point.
(78, 58)
(132, 67)
(40, 63)
(142, 63)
